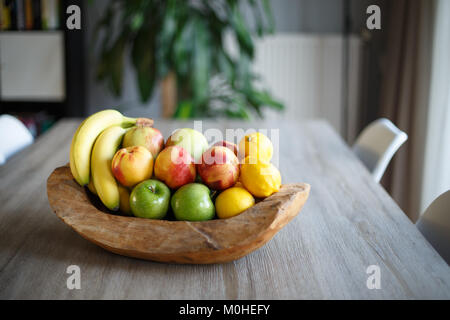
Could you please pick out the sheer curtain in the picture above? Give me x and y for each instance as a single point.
(437, 147)
(404, 95)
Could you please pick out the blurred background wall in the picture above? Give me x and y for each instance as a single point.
(305, 63)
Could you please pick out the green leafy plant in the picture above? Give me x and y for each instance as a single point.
(188, 39)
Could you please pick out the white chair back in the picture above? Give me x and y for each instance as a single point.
(377, 144)
(14, 136)
(435, 225)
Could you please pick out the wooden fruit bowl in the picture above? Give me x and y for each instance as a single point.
(213, 241)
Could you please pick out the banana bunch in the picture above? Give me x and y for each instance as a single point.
(93, 146)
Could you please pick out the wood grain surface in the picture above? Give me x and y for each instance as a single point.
(348, 223)
(214, 241)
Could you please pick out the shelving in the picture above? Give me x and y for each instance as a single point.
(42, 68)
(30, 14)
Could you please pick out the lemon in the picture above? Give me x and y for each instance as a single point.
(232, 202)
(256, 145)
(261, 178)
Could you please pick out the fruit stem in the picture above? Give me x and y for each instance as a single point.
(213, 194)
(128, 122)
(144, 122)
(152, 190)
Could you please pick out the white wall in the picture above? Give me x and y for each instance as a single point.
(32, 66)
(305, 71)
(436, 175)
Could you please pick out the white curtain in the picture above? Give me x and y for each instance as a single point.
(436, 178)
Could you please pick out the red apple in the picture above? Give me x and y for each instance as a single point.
(148, 137)
(219, 168)
(132, 165)
(228, 145)
(175, 167)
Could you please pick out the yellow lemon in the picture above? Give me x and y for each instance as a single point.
(261, 178)
(232, 202)
(256, 145)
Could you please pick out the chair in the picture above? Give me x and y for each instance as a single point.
(435, 225)
(377, 144)
(14, 137)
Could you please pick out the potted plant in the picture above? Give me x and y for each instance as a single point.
(181, 44)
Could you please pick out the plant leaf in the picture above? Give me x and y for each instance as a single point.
(184, 110)
(226, 65)
(187, 37)
(269, 16)
(115, 60)
(201, 63)
(182, 48)
(167, 32)
(263, 98)
(137, 21)
(242, 32)
(142, 56)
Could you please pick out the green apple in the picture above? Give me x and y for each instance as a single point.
(150, 199)
(192, 202)
(192, 140)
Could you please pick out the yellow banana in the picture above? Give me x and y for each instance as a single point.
(73, 169)
(91, 186)
(84, 139)
(106, 145)
(124, 200)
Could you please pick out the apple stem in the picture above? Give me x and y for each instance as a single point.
(213, 194)
(144, 122)
(151, 189)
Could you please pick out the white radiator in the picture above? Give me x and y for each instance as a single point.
(306, 72)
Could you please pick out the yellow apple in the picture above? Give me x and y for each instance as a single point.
(132, 165)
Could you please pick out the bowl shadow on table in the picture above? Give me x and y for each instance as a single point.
(52, 239)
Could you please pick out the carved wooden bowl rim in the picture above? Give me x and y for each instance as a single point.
(213, 241)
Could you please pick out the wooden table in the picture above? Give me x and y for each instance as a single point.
(348, 224)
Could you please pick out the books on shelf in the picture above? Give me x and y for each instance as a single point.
(5, 16)
(50, 14)
(37, 16)
(30, 14)
(20, 12)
